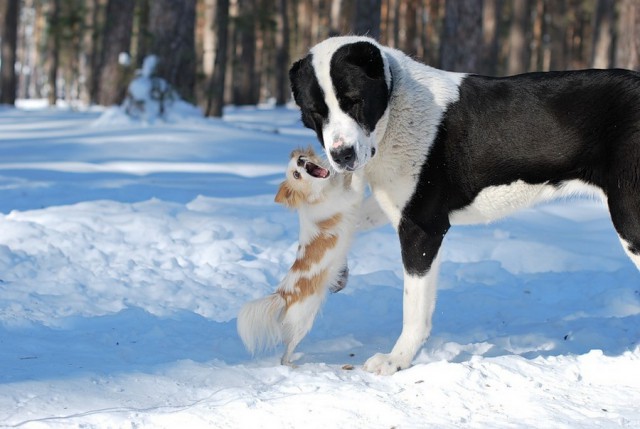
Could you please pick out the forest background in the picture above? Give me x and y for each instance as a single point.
(217, 52)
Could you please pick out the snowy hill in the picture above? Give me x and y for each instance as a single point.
(127, 249)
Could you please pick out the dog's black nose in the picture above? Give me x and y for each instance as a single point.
(345, 157)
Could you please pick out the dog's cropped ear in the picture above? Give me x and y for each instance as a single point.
(288, 196)
(368, 57)
(295, 67)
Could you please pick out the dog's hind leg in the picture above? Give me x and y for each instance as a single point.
(624, 205)
(630, 243)
(297, 322)
(632, 251)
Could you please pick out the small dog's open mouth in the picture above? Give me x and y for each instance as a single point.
(316, 170)
(313, 169)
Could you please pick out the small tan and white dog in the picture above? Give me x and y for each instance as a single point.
(327, 205)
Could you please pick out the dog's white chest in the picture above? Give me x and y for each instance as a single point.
(392, 191)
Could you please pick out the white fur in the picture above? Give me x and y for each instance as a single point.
(259, 323)
(371, 215)
(266, 322)
(419, 91)
(626, 246)
(496, 202)
(402, 139)
(417, 310)
(341, 130)
(402, 145)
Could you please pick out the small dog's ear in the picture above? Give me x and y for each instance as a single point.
(288, 196)
(281, 195)
(310, 152)
(295, 153)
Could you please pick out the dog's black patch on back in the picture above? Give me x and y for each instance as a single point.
(482, 139)
(357, 73)
(539, 128)
(308, 95)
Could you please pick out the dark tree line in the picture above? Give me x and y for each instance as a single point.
(216, 52)
(8, 78)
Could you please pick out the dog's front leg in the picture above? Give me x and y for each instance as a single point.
(420, 250)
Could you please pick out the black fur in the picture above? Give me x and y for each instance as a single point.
(357, 73)
(308, 95)
(358, 76)
(537, 127)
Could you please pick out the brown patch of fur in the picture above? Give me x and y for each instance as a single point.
(314, 251)
(288, 196)
(330, 223)
(305, 287)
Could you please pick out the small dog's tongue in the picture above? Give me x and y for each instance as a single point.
(320, 172)
(317, 171)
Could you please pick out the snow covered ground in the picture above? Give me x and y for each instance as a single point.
(127, 249)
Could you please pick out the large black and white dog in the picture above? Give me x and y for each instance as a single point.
(441, 148)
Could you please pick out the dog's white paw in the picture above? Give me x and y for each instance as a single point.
(386, 364)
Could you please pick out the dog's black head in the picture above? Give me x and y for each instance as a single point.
(342, 88)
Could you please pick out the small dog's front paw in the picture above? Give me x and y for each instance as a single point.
(386, 364)
(341, 281)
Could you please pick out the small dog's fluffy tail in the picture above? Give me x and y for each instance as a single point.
(259, 323)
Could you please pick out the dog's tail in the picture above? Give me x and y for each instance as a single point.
(259, 323)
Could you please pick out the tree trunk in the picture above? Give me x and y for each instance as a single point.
(432, 32)
(215, 92)
(10, 15)
(73, 12)
(557, 33)
(535, 61)
(244, 88)
(95, 59)
(53, 45)
(305, 24)
(518, 49)
(209, 38)
(491, 10)
(462, 36)
(88, 51)
(27, 43)
(395, 27)
(628, 45)
(603, 26)
(143, 39)
(117, 39)
(367, 18)
(315, 21)
(172, 24)
(282, 55)
(411, 28)
(335, 27)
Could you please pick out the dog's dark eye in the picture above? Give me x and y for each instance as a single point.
(348, 103)
(296, 175)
